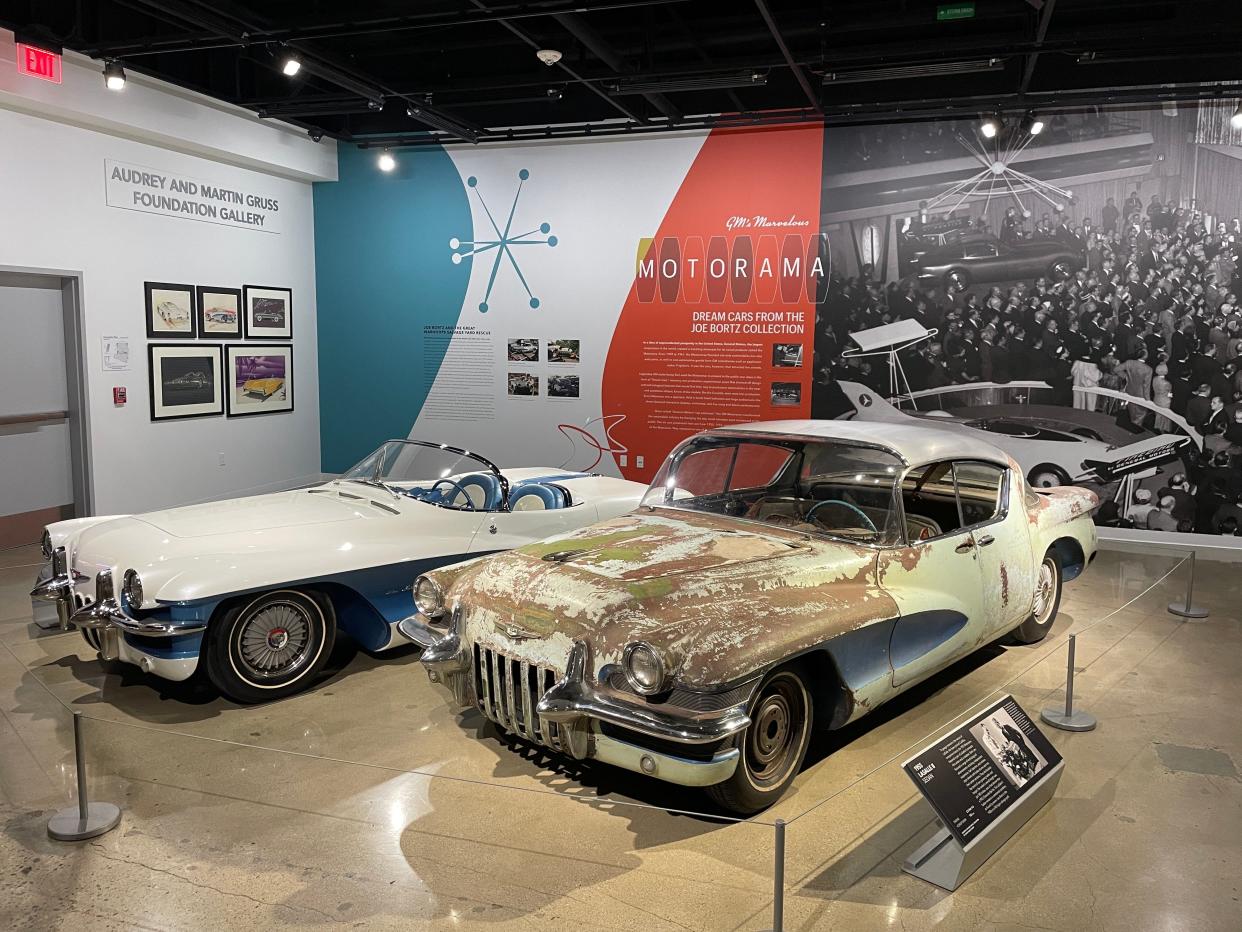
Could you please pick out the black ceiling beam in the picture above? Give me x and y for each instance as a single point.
(598, 46)
(526, 38)
(1041, 32)
(194, 42)
(788, 55)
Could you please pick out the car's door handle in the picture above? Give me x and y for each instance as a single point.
(965, 546)
(984, 540)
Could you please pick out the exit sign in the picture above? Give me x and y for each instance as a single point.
(947, 11)
(38, 63)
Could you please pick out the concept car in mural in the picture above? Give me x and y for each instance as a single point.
(255, 589)
(1047, 457)
(982, 258)
(779, 577)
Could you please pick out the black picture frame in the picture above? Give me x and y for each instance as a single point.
(255, 332)
(233, 350)
(155, 390)
(201, 293)
(153, 308)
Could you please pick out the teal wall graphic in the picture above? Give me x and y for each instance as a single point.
(383, 274)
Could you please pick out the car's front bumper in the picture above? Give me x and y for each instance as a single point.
(105, 625)
(584, 713)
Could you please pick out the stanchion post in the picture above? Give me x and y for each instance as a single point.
(1067, 719)
(778, 880)
(87, 819)
(1188, 609)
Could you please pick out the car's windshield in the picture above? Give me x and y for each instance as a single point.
(824, 487)
(432, 473)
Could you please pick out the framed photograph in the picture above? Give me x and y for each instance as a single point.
(523, 350)
(219, 312)
(170, 310)
(259, 379)
(185, 380)
(523, 384)
(269, 313)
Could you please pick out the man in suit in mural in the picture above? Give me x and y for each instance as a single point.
(1109, 217)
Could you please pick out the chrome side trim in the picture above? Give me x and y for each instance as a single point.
(574, 699)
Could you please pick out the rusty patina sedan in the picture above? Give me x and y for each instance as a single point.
(778, 577)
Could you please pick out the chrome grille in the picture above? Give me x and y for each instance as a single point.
(507, 690)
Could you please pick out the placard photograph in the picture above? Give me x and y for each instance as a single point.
(787, 355)
(260, 380)
(170, 310)
(1003, 741)
(219, 311)
(185, 381)
(269, 313)
(567, 351)
(523, 350)
(786, 394)
(562, 386)
(523, 384)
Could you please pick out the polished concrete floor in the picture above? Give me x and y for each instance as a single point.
(365, 802)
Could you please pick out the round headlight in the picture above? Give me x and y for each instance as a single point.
(428, 597)
(45, 544)
(643, 668)
(133, 589)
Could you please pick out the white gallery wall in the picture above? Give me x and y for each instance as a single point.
(54, 141)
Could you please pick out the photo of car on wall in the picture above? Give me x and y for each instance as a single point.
(523, 350)
(562, 386)
(786, 393)
(523, 384)
(564, 351)
(787, 355)
(977, 257)
(260, 381)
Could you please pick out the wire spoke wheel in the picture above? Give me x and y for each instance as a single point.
(271, 646)
(274, 640)
(1045, 592)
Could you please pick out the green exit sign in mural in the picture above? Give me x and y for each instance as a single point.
(947, 11)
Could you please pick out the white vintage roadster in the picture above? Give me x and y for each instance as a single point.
(255, 589)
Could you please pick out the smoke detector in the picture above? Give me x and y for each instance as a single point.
(548, 56)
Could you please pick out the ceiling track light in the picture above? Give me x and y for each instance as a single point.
(293, 109)
(445, 124)
(1033, 123)
(907, 72)
(114, 75)
(701, 83)
(290, 64)
(386, 161)
(990, 125)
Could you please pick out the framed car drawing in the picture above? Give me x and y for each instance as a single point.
(269, 313)
(170, 310)
(185, 380)
(219, 312)
(259, 379)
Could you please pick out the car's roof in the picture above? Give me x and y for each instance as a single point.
(914, 443)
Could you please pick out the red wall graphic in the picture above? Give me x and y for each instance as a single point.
(718, 326)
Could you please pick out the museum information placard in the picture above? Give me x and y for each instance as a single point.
(973, 775)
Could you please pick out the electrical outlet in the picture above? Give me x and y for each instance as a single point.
(625, 460)
(221, 459)
(638, 461)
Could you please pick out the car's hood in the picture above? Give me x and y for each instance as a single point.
(713, 590)
(259, 513)
(659, 543)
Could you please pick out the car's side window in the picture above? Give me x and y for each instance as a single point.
(929, 500)
(705, 472)
(979, 488)
(757, 465)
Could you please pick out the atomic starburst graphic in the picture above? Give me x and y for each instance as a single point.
(504, 245)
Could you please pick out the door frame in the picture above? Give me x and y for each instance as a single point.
(76, 380)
